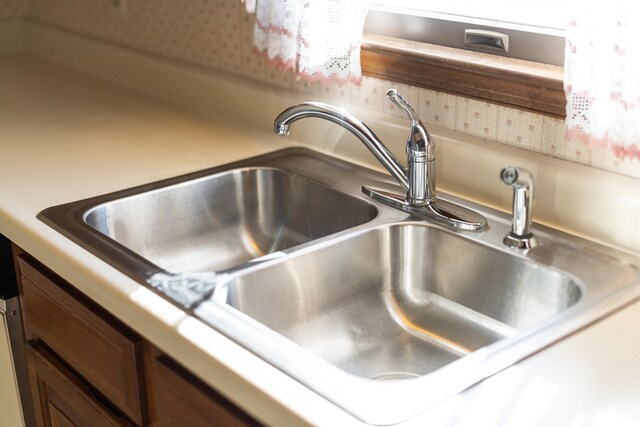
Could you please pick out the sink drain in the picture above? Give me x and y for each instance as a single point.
(389, 376)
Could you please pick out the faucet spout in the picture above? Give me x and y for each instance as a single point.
(350, 123)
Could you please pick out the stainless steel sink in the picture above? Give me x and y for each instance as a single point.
(226, 219)
(380, 313)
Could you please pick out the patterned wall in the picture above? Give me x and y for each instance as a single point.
(218, 34)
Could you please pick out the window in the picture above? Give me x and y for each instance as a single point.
(423, 43)
(545, 15)
(535, 30)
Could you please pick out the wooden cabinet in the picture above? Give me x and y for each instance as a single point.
(62, 399)
(86, 368)
(182, 399)
(98, 347)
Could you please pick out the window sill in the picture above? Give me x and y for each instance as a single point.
(511, 82)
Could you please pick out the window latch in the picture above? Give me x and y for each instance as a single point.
(484, 39)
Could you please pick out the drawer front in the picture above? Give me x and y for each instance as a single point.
(183, 400)
(93, 343)
(61, 398)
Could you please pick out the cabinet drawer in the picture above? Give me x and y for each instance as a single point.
(61, 398)
(183, 400)
(93, 343)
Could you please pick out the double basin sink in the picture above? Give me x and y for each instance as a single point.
(380, 313)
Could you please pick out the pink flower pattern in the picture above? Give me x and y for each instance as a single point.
(219, 36)
(602, 66)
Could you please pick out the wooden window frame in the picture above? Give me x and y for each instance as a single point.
(514, 83)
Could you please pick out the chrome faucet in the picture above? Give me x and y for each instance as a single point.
(421, 156)
(520, 236)
(418, 179)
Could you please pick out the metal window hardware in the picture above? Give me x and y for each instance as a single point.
(484, 39)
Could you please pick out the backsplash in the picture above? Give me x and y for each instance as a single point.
(218, 34)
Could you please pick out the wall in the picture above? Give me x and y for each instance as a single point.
(12, 13)
(217, 34)
(12, 9)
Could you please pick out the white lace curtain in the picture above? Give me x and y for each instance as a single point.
(317, 39)
(602, 75)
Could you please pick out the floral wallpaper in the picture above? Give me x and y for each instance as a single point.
(217, 34)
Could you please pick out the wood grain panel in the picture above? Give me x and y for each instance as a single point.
(94, 344)
(63, 400)
(511, 82)
(183, 400)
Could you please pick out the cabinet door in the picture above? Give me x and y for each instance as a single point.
(60, 398)
(104, 352)
(183, 400)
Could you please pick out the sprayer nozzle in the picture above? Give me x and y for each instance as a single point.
(509, 175)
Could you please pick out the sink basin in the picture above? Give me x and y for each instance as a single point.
(226, 219)
(380, 313)
(220, 218)
(400, 301)
(390, 320)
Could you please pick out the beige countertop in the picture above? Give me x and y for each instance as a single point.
(66, 136)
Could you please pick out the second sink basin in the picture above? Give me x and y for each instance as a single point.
(403, 315)
(399, 301)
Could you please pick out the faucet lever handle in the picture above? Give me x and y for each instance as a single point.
(402, 103)
(421, 156)
(419, 144)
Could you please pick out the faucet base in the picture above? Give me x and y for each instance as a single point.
(520, 242)
(440, 211)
